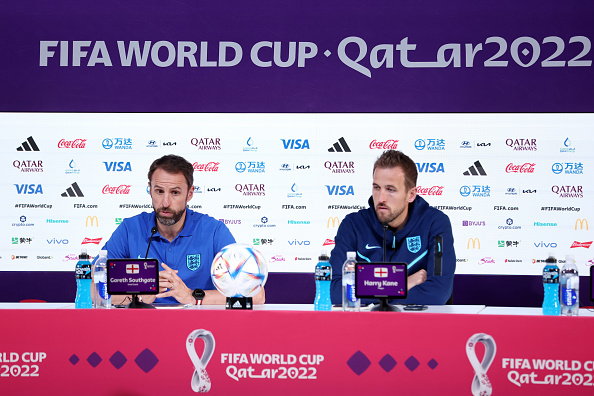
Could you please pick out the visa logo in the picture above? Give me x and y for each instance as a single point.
(544, 244)
(57, 241)
(296, 242)
(117, 166)
(432, 167)
(295, 144)
(340, 190)
(29, 188)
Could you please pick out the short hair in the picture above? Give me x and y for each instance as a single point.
(173, 164)
(395, 158)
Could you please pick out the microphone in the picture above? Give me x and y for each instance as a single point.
(153, 232)
(438, 253)
(385, 225)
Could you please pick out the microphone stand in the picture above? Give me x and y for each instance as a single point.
(383, 301)
(136, 303)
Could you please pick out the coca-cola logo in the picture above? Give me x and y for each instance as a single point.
(387, 145)
(434, 190)
(581, 244)
(121, 189)
(209, 167)
(77, 143)
(96, 241)
(524, 168)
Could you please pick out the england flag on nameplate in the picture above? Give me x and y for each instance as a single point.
(380, 272)
(132, 268)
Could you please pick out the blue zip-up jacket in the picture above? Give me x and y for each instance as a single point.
(363, 233)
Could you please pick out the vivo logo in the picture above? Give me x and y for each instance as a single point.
(340, 190)
(545, 245)
(29, 188)
(296, 242)
(118, 166)
(295, 144)
(57, 241)
(432, 167)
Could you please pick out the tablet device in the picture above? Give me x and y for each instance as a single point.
(381, 280)
(132, 276)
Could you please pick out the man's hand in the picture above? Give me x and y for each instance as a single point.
(417, 278)
(169, 280)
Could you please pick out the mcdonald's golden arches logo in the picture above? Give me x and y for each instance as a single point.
(475, 242)
(581, 222)
(335, 222)
(93, 220)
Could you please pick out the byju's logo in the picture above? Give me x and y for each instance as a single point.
(28, 145)
(117, 143)
(432, 167)
(475, 170)
(522, 144)
(468, 223)
(29, 188)
(569, 168)
(295, 144)
(118, 166)
(340, 147)
(430, 144)
(340, 190)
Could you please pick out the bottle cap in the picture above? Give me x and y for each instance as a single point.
(323, 255)
(83, 254)
(351, 255)
(103, 253)
(551, 258)
(569, 257)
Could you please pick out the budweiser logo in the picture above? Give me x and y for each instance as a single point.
(328, 242)
(435, 190)
(581, 244)
(210, 167)
(96, 241)
(121, 189)
(525, 168)
(387, 145)
(78, 143)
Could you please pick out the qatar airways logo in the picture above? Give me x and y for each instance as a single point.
(522, 144)
(121, 189)
(251, 189)
(387, 145)
(524, 168)
(434, 190)
(340, 166)
(209, 167)
(206, 143)
(568, 191)
(77, 143)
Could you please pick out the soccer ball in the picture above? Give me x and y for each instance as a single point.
(239, 270)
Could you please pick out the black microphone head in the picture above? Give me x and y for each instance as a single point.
(154, 230)
(385, 225)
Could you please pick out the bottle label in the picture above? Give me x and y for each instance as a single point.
(350, 289)
(550, 275)
(83, 271)
(323, 273)
(568, 296)
(102, 289)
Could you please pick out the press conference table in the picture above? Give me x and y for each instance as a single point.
(292, 349)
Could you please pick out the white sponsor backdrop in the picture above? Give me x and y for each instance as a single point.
(503, 222)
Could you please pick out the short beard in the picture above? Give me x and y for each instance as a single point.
(169, 221)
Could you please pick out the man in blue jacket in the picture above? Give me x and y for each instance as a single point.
(410, 226)
(185, 242)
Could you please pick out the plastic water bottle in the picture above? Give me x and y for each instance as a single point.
(550, 280)
(323, 279)
(349, 301)
(83, 281)
(570, 288)
(100, 297)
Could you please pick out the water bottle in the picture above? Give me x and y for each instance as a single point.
(83, 281)
(100, 297)
(349, 301)
(550, 281)
(323, 280)
(570, 288)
